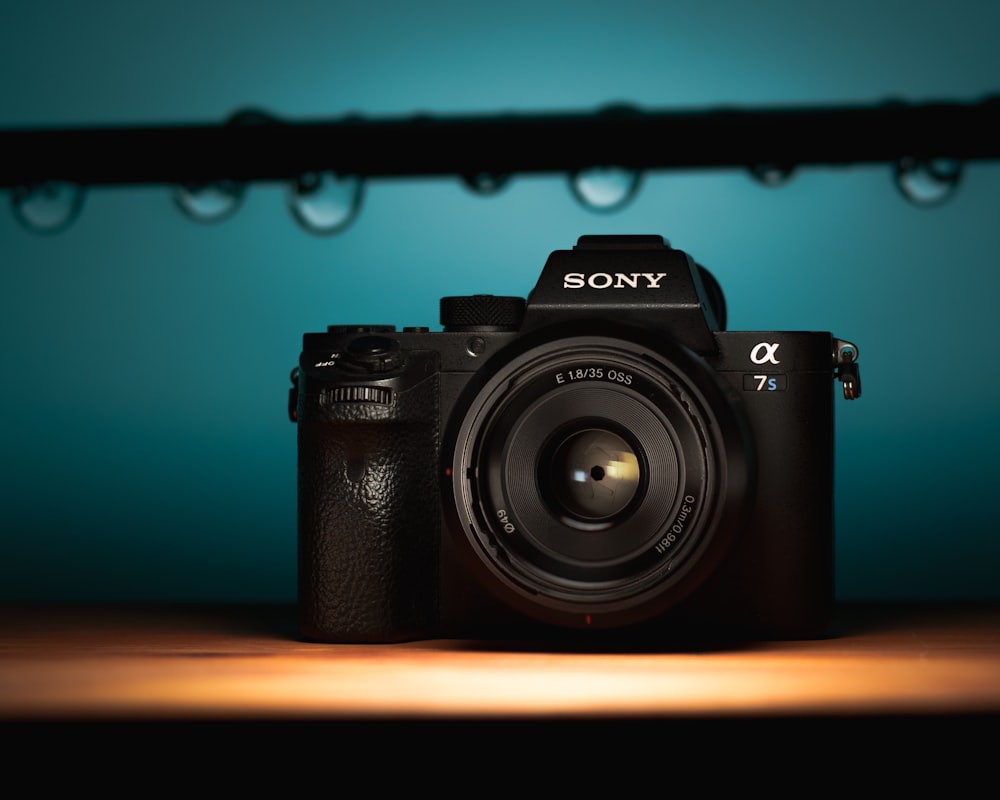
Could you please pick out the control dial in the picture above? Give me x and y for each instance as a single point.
(482, 312)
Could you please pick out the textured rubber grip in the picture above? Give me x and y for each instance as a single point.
(369, 517)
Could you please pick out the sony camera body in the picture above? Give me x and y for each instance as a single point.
(602, 459)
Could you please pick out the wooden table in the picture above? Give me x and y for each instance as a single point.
(246, 663)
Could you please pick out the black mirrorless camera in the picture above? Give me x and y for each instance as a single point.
(604, 457)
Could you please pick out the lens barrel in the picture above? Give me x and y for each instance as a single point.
(597, 480)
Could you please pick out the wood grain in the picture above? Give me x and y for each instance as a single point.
(246, 662)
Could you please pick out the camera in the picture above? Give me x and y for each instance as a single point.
(600, 459)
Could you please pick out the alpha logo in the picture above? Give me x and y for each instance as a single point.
(765, 353)
(613, 280)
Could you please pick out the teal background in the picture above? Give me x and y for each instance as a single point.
(146, 450)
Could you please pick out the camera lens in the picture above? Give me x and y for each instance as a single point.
(592, 477)
(595, 480)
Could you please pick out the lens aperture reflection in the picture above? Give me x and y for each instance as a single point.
(594, 478)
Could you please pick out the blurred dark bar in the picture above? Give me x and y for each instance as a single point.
(252, 147)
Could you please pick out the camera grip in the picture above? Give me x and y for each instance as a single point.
(369, 518)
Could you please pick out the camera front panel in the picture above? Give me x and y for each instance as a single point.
(779, 579)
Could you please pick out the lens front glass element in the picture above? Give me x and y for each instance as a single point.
(593, 476)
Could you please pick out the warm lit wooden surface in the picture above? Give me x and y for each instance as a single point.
(244, 662)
